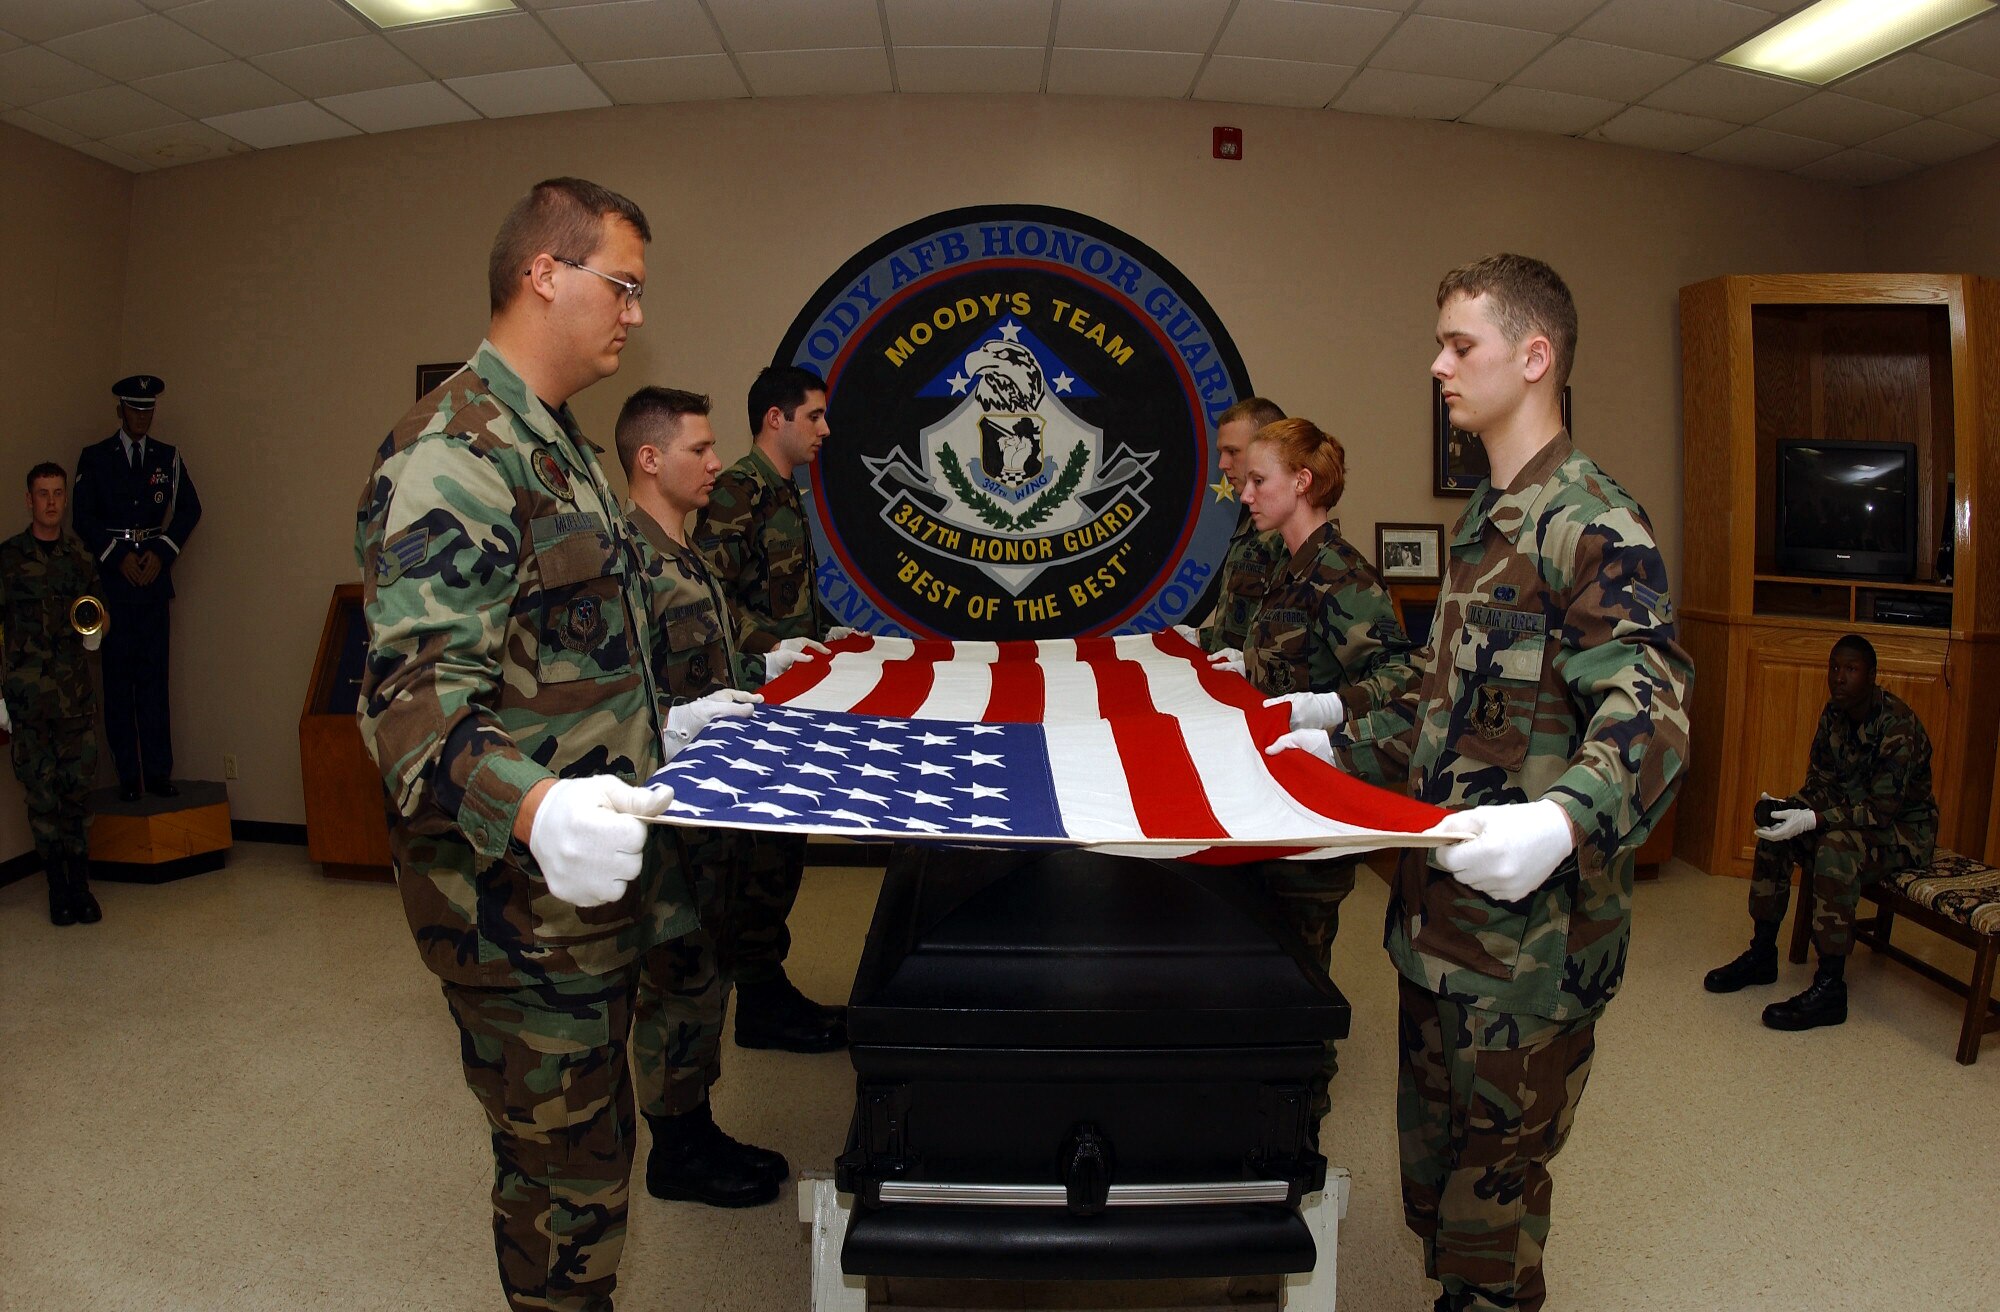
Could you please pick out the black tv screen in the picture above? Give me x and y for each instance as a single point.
(1847, 508)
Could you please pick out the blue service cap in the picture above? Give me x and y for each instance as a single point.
(139, 391)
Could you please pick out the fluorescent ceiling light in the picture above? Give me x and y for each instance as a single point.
(1834, 37)
(408, 13)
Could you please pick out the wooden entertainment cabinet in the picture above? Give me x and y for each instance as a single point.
(1836, 357)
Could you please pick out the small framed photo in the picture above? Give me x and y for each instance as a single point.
(1458, 459)
(430, 375)
(1410, 552)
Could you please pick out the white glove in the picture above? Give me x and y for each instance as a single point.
(587, 837)
(1509, 851)
(788, 653)
(92, 641)
(690, 718)
(837, 632)
(1306, 740)
(1788, 823)
(1189, 632)
(1313, 710)
(1229, 658)
(6, 720)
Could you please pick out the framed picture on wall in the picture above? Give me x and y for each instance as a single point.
(430, 375)
(1410, 552)
(1458, 460)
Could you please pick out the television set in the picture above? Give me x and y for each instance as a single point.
(1847, 508)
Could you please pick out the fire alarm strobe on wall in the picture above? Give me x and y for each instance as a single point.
(1229, 143)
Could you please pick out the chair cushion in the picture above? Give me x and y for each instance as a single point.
(1957, 887)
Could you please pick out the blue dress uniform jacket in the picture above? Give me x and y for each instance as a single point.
(112, 494)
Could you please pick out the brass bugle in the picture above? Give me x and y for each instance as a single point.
(86, 616)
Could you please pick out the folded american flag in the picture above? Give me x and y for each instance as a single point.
(1132, 745)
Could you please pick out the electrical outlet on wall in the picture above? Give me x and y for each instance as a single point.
(229, 765)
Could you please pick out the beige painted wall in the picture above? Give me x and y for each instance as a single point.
(63, 222)
(1939, 221)
(287, 295)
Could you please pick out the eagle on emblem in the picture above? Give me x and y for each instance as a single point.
(1010, 390)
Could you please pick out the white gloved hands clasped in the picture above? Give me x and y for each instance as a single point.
(1306, 740)
(1229, 658)
(587, 836)
(789, 652)
(1188, 631)
(1313, 710)
(1788, 823)
(1509, 851)
(690, 718)
(837, 632)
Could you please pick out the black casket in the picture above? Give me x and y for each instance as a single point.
(1077, 1066)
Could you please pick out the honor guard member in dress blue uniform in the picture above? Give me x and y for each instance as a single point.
(134, 506)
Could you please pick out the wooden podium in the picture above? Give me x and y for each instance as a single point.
(346, 829)
(157, 839)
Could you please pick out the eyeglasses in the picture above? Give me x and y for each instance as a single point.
(633, 290)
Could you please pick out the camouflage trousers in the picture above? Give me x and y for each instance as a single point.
(684, 985)
(1836, 865)
(547, 1063)
(1484, 1101)
(1308, 895)
(56, 761)
(758, 938)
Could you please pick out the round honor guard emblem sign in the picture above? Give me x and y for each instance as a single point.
(1022, 403)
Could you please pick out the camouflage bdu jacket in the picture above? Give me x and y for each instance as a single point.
(1327, 623)
(509, 626)
(47, 673)
(698, 654)
(1556, 673)
(756, 538)
(1246, 572)
(1874, 777)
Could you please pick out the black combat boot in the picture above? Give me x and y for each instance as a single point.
(81, 899)
(62, 905)
(1759, 965)
(1823, 1003)
(693, 1161)
(772, 1013)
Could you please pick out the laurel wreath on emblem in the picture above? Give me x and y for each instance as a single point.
(990, 511)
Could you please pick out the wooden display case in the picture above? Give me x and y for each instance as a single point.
(347, 831)
(1836, 357)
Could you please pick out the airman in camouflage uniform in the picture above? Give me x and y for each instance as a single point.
(510, 617)
(755, 535)
(1556, 691)
(1866, 812)
(47, 691)
(1253, 556)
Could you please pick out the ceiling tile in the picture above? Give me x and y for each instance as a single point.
(500, 43)
(1980, 116)
(955, 23)
(988, 69)
(1107, 25)
(216, 89)
(1588, 68)
(391, 109)
(1271, 82)
(338, 67)
(1727, 93)
(45, 20)
(177, 143)
(638, 29)
(1974, 45)
(166, 4)
(1761, 148)
(1121, 72)
(530, 91)
(257, 27)
(1840, 119)
(32, 74)
(1919, 84)
(799, 24)
(1857, 168)
(1930, 142)
(281, 125)
(1540, 15)
(653, 81)
(1304, 33)
(1410, 95)
(98, 150)
(29, 121)
(853, 72)
(139, 48)
(1529, 110)
(1692, 29)
(8, 41)
(1447, 47)
(1776, 6)
(1655, 129)
(106, 112)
